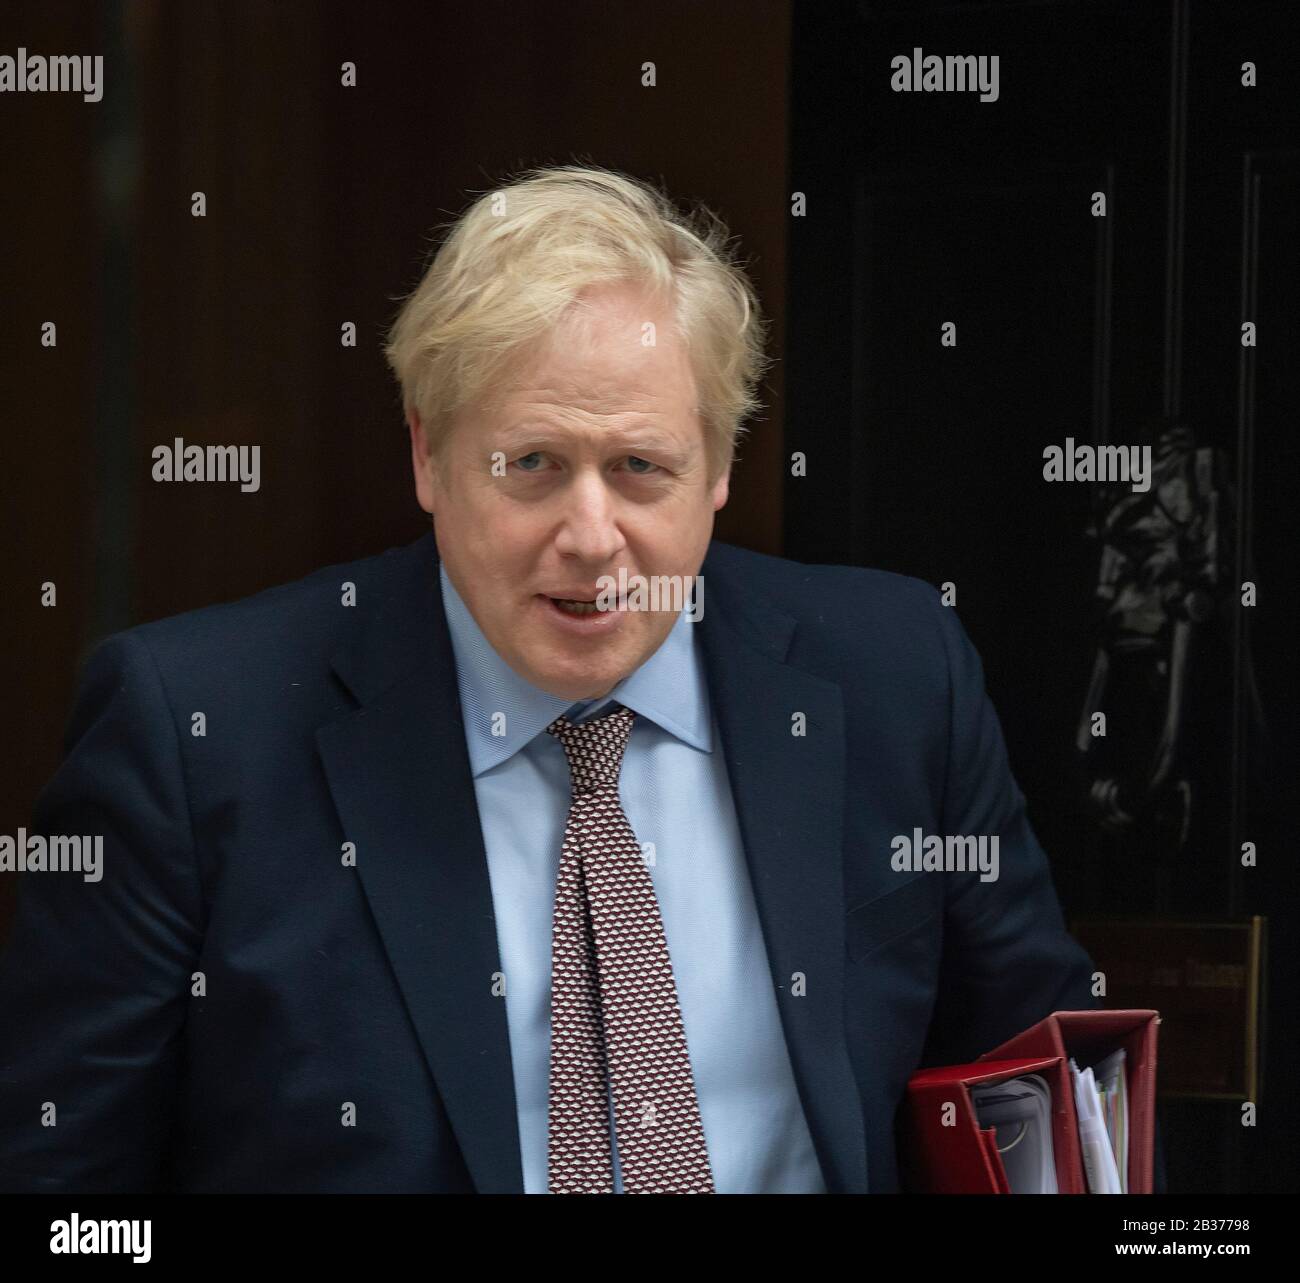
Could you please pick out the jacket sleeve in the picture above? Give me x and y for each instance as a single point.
(1008, 960)
(95, 980)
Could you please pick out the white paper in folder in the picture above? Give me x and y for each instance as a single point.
(1112, 1082)
(1099, 1163)
(1020, 1110)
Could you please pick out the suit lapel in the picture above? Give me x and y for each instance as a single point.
(789, 797)
(399, 773)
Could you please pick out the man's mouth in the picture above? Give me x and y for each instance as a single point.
(592, 608)
(575, 606)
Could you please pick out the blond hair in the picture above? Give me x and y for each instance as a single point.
(517, 258)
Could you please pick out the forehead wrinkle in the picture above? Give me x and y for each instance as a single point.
(569, 394)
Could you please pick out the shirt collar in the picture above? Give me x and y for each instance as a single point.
(669, 688)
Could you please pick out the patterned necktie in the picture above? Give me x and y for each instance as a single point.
(613, 998)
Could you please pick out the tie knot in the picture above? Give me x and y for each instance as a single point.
(595, 748)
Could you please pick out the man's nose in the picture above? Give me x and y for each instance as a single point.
(589, 526)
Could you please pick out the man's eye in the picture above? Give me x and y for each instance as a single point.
(632, 459)
(523, 461)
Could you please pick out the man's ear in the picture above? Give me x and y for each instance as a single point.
(721, 490)
(421, 462)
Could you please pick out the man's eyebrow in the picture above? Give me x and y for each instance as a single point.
(631, 440)
(655, 443)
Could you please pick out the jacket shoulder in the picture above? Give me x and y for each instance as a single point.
(855, 592)
(300, 622)
(858, 625)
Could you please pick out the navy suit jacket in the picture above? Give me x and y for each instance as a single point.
(203, 1018)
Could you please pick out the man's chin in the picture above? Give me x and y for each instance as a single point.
(573, 683)
(574, 691)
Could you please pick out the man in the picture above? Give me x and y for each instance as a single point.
(458, 869)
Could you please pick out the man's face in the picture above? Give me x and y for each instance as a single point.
(605, 468)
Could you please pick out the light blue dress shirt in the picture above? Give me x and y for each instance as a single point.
(676, 794)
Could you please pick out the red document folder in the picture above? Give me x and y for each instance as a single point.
(944, 1151)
